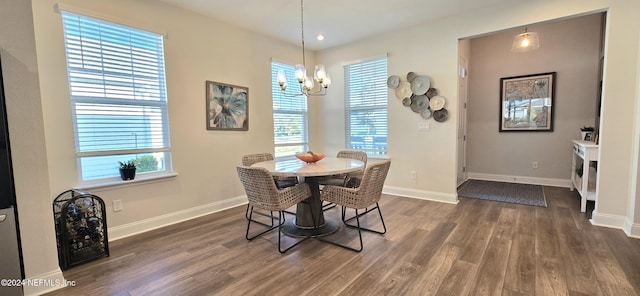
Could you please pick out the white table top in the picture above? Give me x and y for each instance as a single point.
(585, 143)
(324, 167)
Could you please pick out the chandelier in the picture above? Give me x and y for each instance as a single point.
(525, 42)
(308, 87)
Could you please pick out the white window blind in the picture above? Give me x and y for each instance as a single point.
(289, 114)
(366, 106)
(118, 95)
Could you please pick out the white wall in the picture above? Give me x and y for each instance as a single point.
(431, 154)
(200, 49)
(197, 49)
(635, 203)
(26, 131)
(633, 222)
(433, 50)
(618, 113)
(568, 47)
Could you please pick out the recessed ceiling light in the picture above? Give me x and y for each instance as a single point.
(320, 37)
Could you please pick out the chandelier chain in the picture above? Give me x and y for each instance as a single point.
(315, 85)
(304, 63)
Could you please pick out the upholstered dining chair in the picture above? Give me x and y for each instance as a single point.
(262, 193)
(349, 179)
(365, 196)
(281, 182)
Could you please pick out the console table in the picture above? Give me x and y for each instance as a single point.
(583, 173)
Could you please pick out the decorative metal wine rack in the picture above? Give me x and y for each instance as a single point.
(81, 228)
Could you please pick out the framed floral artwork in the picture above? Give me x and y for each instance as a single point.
(526, 103)
(227, 106)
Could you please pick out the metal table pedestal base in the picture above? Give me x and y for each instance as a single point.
(329, 227)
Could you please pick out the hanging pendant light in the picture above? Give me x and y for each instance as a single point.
(526, 41)
(307, 85)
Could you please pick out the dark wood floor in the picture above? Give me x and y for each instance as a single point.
(473, 248)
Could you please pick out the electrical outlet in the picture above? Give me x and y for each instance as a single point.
(117, 205)
(414, 175)
(534, 164)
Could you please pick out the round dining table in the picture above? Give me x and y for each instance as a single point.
(310, 173)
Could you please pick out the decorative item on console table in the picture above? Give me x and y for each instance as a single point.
(586, 133)
(128, 169)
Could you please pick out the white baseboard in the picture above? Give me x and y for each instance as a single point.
(145, 225)
(521, 179)
(608, 220)
(632, 229)
(126, 230)
(421, 194)
(44, 283)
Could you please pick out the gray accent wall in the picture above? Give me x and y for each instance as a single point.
(571, 49)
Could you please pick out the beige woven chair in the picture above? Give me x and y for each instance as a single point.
(343, 179)
(347, 180)
(364, 196)
(281, 182)
(249, 159)
(262, 193)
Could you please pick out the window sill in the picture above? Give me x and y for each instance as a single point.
(381, 157)
(129, 183)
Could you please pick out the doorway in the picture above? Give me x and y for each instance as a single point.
(461, 136)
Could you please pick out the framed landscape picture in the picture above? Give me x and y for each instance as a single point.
(526, 103)
(227, 106)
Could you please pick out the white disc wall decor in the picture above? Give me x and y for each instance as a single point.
(403, 90)
(417, 94)
(437, 103)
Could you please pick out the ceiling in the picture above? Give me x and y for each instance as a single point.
(341, 21)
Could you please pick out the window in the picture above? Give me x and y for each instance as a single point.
(118, 97)
(289, 115)
(366, 106)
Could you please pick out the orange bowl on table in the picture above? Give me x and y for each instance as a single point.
(310, 157)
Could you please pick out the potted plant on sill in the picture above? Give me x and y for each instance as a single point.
(585, 130)
(128, 169)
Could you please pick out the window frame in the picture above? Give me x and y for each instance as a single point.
(288, 93)
(140, 101)
(382, 98)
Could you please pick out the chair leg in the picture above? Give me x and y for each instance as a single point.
(328, 206)
(367, 210)
(250, 209)
(249, 220)
(280, 223)
(345, 246)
